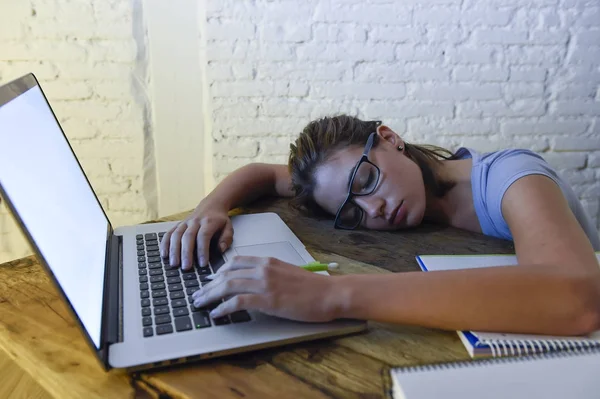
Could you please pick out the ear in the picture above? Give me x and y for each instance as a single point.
(387, 134)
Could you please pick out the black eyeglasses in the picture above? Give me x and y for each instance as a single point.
(363, 181)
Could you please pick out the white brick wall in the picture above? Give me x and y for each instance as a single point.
(489, 75)
(84, 54)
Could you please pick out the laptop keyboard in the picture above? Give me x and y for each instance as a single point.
(166, 292)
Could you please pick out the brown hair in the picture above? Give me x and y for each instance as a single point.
(322, 137)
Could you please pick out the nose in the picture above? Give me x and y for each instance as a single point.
(372, 205)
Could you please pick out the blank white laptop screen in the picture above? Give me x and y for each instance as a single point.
(48, 190)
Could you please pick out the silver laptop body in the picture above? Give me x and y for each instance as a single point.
(105, 276)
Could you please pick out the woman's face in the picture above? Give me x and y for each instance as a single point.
(398, 200)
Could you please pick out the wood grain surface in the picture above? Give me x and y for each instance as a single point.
(40, 336)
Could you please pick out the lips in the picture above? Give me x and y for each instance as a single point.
(394, 214)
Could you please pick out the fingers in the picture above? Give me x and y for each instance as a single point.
(205, 234)
(226, 236)
(175, 245)
(230, 287)
(188, 242)
(164, 244)
(242, 262)
(238, 302)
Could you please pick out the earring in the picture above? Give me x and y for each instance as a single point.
(400, 148)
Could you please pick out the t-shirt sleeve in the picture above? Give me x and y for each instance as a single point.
(506, 168)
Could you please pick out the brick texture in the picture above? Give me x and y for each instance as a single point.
(84, 54)
(488, 75)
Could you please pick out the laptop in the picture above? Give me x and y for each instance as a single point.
(134, 310)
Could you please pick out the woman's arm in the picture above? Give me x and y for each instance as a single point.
(554, 290)
(210, 218)
(251, 182)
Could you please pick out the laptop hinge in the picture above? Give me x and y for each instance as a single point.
(114, 290)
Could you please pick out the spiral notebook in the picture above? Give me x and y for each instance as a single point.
(485, 344)
(557, 375)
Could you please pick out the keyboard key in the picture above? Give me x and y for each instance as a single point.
(180, 312)
(164, 329)
(148, 332)
(201, 319)
(143, 286)
(183, 323)
(158, 293)
(201, 309)
(204, 270)
(147, 321)
(144, 294)
(142, 272)
(204, 279)
(141, 253)
(139, 236)
(220, 321)
(146, 312)
(191, 290)
(156, 279)
(141, 258)
(162, 319)
(150, 236)
(162, 233)
(153, 259)
(216, 261)
(152, 247)
(191, 283)
(154, 266)
(175, 287)
(161, 310)
(172, 273)
(153, 254)
(139, 241)
(177, 295)
(145, 302)
(189, 271)
(155, 272)
(173, 280)
(177, 303)
(189, 276)
(158, 286)
(142, 265)
(151, 242)
(213, 305)
(140, 247)
(240, 316)
(160, 301)
(143, 279)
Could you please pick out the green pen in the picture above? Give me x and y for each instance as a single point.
(319, 267)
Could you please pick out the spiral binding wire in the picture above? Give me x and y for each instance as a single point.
(492, 361)
(501, 347)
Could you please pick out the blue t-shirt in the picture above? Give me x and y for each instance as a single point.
(491, 175)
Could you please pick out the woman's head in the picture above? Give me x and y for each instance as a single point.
(326, 153)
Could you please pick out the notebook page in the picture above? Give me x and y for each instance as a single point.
(433, 263)
(560, 376)
(455, 262)
(488, 336)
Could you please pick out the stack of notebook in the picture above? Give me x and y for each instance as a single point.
(485, 344)
(530, 366)
(560, 375)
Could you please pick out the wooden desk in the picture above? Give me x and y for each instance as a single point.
(40, 336)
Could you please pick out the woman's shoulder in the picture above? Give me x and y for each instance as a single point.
(511, 159)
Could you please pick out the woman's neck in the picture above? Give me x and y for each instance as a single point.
(456, 207)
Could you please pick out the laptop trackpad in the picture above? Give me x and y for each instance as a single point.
(281, 250)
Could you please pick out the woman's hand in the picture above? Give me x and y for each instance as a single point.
(273, 287)
(197, 231)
